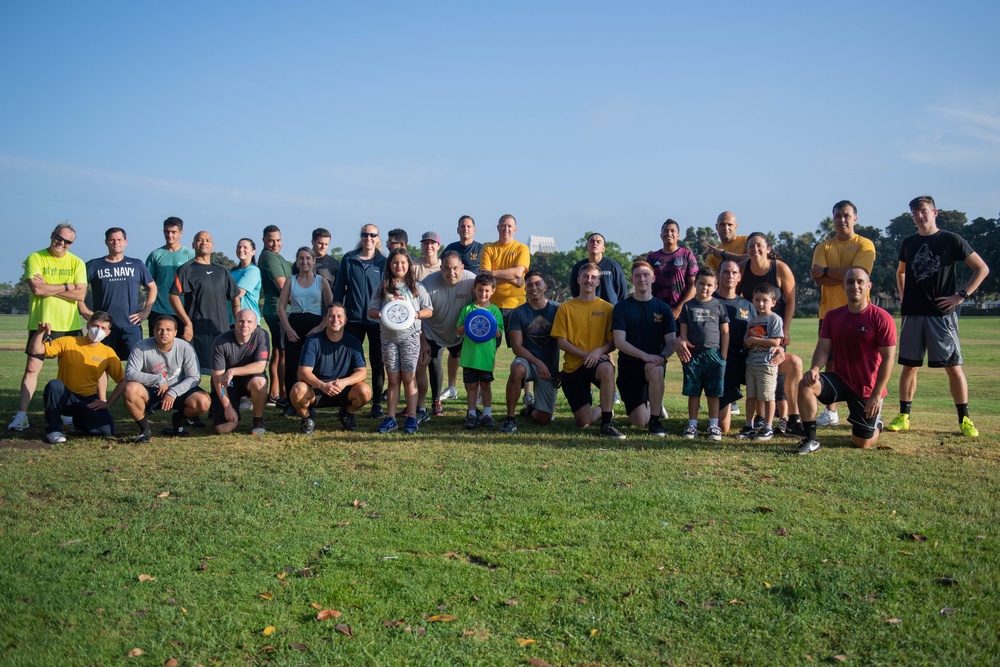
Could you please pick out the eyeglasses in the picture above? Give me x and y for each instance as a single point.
(58, 239)
(369, 235)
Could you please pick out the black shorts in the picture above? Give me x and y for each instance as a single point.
(833, 390)
(474, 375)
(736, 374)
(154, 400)
(576, 385)
(632, 386)
(237, 391)
(52, 336)
(455, 350)
(277, 332)
(323, 400)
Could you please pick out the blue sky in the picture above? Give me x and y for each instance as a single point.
(572, 116)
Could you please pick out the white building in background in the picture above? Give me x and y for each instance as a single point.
(542, 244)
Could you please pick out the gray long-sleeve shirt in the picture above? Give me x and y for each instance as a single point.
(151, 367)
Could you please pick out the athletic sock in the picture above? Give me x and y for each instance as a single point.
(693, 422)
(606, 417)
(472, 413)
(713, 422)
(143, 424)
(906, 406)
(810, 428)
(488, 410)
(963, 411)
(794, 417)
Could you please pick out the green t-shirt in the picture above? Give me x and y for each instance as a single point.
(63, 315)
(481, 356)
(272, 266)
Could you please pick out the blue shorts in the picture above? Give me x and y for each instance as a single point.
(705, 372)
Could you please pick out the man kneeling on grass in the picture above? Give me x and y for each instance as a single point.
(163, 373)
(864, 336)
(239, 358)
(83, 360)
(332, 373)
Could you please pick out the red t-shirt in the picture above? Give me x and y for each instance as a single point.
(856, 339)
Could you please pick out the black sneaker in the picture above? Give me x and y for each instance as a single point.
(348, 422)
(782, 426)
(281, 403)
(272, 400)
(178, 429)
(471, 421)
(796, 428)
(807, 446)
(656, 428)
(289, 412)
(765, 433)
(376, 412)
(526, 410)
(487, 422)
(747, 433)
(758, 423)
(423, 416)
(508, 426)
(194, 422)
(609, 431)
(307, 426)
(144, 436)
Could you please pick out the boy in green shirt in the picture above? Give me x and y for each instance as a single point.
(478, 359)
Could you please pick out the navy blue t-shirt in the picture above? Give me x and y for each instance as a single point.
(470, 254)
(536, 328)
(329, 360)
(115, 286)
(645, 324)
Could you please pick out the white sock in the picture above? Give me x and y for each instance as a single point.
(713, 422)
(693, 422)
(488, 410)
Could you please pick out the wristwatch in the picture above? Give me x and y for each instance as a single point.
(962, 293)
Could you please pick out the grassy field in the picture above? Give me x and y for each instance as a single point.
(473, 548)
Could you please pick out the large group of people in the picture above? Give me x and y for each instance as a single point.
(727, 318)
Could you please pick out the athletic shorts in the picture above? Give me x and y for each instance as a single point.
(545, 390)
(455, 350)
(833, 390)
(323, 400)
(705, 372)
(401, 355)
(277, 332)
(576, 385)
(632, 386)
(736, 374)
(153, 398)
(474, 375)
(936, 336)
(761, 381)
(52, 336)
(237, 391)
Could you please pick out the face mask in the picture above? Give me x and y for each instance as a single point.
(97, 334)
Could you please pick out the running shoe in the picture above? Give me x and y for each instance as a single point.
(900, 423)
(508, 426)
(307, 426)
(609, 431)
(488, 422)
(782, 425)
(19, 423)
(747, 433)
(529, 398)
(656, 428)
(437, 409)
(449, 394)
(969, 429)
(258, 427)
(828, 418)
(807, 446)
(714, 433)
(734, 410)
(423, 415)
(411, 424)
(765, 433)
(348, 422)
(376, 412)
(144, 436)
(388, 425)
(470, 421)
(690, 432)
(55, 437)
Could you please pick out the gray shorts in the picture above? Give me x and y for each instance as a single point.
(936, 336)
(761, 382)
(545, 391)
(401, 355)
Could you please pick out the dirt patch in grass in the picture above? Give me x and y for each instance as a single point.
(22, 444)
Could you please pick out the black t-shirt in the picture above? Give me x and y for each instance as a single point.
(207, 291)
(645, 323)
(325, 267)
(536, 328)
(740, 312)
(930, 270)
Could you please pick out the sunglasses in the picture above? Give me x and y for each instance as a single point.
(58, 239)
(370, 235)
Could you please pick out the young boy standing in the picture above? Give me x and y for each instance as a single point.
(762, 338)
(702, 347)
(478, 359)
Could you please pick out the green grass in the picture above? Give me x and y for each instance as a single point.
(644, 552)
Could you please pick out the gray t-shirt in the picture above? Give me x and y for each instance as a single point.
(178, 367)
(448, 301)
(420, 302)
(763, 326)
(703, 320)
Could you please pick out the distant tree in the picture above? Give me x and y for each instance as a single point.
(797, 253)
(824, 230)
(220, 258)
(14, 297)
(695, 239)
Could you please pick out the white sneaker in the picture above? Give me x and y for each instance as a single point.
(828, 418)
(529, 398)
(449, 394)
(734, 410)
(19, 423)
(246, 403)
(55, 437)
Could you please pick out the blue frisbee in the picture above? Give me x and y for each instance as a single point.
(480, 325)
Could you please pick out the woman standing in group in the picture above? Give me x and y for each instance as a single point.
(300, 309)
(763, 266)
(360, 274)
(247, 276)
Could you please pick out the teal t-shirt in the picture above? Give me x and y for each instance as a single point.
(480, 356)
